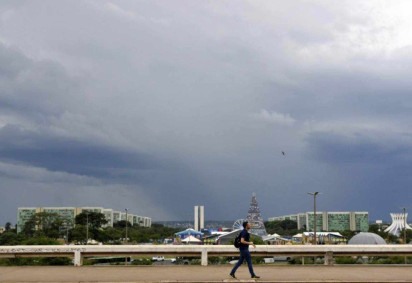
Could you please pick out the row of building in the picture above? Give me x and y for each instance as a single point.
(68, 214)
(329, 221)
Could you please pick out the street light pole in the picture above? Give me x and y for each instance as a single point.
(404, 231)
(67, 233)
(314, 194)
(404, 225)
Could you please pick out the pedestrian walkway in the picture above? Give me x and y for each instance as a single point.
(180, 273)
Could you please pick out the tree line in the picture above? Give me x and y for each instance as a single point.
(46, 228)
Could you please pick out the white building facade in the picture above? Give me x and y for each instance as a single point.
(68, 214)
(199, 217)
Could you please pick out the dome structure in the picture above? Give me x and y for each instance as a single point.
(366, 238)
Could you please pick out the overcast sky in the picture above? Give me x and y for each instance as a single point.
(157, 106)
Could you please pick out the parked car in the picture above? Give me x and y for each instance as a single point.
(277, 259)
(158, 258)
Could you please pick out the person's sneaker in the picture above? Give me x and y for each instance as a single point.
(255, 276)
(232, 275)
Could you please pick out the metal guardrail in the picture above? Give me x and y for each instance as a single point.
(80, 252)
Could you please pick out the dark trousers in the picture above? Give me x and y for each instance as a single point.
(244, 255)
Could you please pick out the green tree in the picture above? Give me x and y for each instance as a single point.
(391, 239)
(408, 236)
(282, 227)
(95, 220)
(88, 223)
(122, 224)
(288, 225)
(10, 238)
(78, 234)
(43, 224)
(8, 226)
(110, 235)
(42, 240)
(376, 228)
(156, 233)
(348, 234)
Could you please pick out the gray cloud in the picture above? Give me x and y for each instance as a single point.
(159, 106)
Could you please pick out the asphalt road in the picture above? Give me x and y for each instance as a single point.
(179, 273)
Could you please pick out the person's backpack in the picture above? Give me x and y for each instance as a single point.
(237, 241)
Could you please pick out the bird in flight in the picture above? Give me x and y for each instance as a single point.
(283, 153)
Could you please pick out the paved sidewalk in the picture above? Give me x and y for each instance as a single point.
(268, 273)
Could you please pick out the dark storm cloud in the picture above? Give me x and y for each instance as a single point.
(335, 148)
(99, 161)
(374, 171)
(160, 106)
(62, 154)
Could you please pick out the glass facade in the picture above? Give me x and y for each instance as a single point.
(293, 217)
(116, 216)
(362, 221)
(23, 215)
(311, 219)
(338, 221)
(68, 214)
(330, 221)
(108, 214)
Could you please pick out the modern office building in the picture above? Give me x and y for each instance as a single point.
(199, 221)
(329, 221)
(68, 214)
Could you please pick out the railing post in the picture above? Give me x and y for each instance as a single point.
(78, 259)
(204, 257)
(329, 258)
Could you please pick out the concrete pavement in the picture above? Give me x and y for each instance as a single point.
(181, 273)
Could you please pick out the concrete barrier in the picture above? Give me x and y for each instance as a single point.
(203, 251)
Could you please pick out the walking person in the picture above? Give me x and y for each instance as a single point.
(244, 251)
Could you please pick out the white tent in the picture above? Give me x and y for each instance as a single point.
(271, 237)
(191, 239)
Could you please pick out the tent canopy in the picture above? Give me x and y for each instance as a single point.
(190, 239)
(189, 232)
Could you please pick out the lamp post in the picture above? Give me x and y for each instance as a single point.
(126, 223)
(404, 231)
(404, 224)
(314, 194)
(66, 225)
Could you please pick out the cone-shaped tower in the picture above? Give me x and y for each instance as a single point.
(255, 219)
